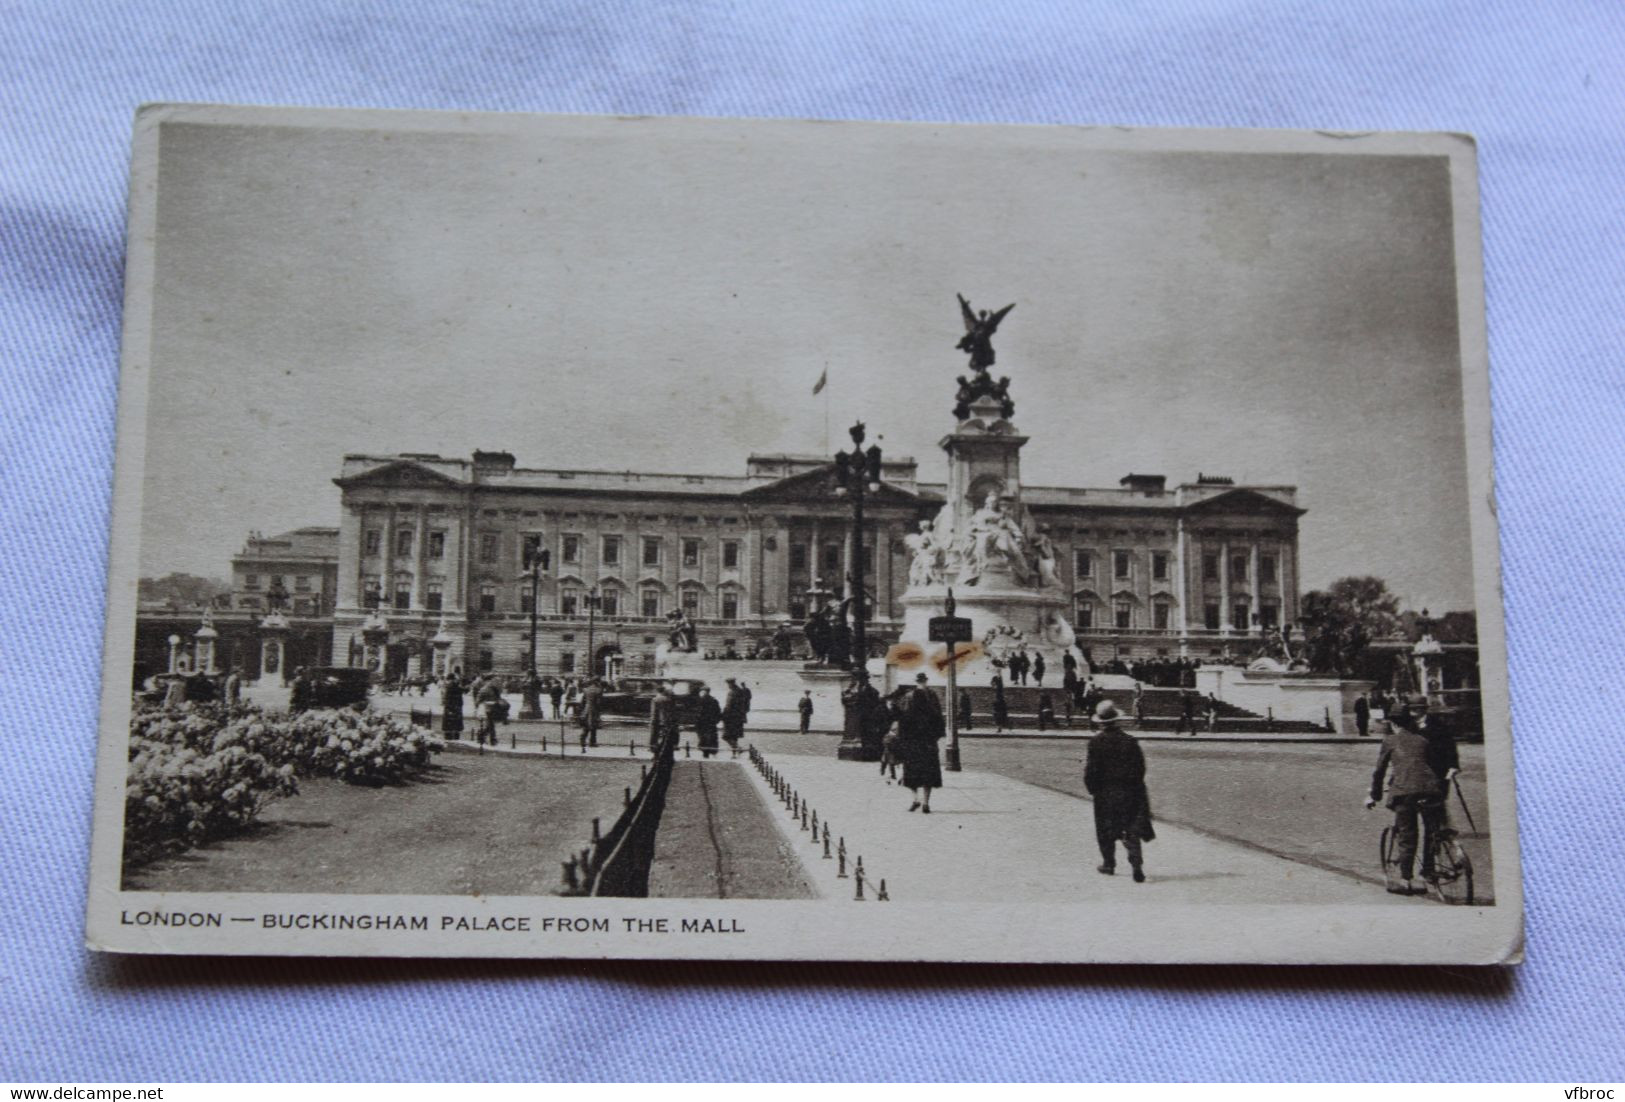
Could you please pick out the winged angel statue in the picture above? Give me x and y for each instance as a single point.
(978, 341)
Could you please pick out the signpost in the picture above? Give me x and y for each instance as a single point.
(952, 630)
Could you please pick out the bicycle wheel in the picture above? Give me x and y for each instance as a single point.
(1386, 856)
(1453, 873)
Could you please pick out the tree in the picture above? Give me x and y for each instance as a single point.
(182, 591)
(1341, 620)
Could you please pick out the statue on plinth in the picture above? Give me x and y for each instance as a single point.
(682, 634)
(978, 342)
(993, 540)
(925, 568)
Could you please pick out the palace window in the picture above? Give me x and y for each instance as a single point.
(611, 554)
(527, 598)
(1210, 616)
(832, 559)
(1266, 569)
(730, 605)
(1240, 614)
(434, 599)
(1159, 615)
(276, 581)
(372, 591)
(1083, 615)
(1238, 568)
(610, 603)
(530, 549)
(403, 541)
(251, 581)
(730, 555)
(301, 583)
(1159, 565)
(1123, 614)
(1269, 614)
(437, 545)
(403, 593)
(798, 556)
(371, 540)
(691, 552)
(1122, 564)
(488, 598)
(302, 607)
(487, 661)
(869, 559)
(568, 601)
(650, 601)
(1083, 563)
(567, 661)
(691, 603)
(490, 547)
(1210, 567)
(570, 549)
(651, 552)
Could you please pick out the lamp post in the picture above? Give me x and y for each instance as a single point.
(536, 563)
(857, 474)
(594, 599)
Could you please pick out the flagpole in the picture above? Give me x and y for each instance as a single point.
(826, 407)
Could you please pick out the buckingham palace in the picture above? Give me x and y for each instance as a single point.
(435, 551)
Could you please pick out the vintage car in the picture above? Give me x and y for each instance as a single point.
(337, 686)
(199, 688)
(633, 696)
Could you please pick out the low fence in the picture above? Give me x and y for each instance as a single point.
(617, 862)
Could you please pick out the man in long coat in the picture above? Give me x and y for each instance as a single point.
(1114, 775)
(451, 708)
(707, 717)
(733, 714)
(590, 712)
(920, 727)
(662, 718)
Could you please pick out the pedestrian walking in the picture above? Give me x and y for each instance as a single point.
(805, 707)
(965, 715)
(662, 718)
(1046, 712)
(555, 693)
(1362, 715)
(1001, 709)
(1114, 776)
(451, 708)
(734, 708)
(1187, 714)
(920, 728)
(490, 703)
(572, 698)
(706, 720)
(1038, 670)
(590, 712)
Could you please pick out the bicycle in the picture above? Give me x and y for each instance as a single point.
(1452, 879)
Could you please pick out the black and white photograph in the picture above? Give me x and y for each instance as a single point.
(638, 537)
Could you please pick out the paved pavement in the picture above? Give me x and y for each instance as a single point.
(991, 836)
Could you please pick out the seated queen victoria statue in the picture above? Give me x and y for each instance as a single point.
(993, 543)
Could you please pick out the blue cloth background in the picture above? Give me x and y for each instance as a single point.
(1541, 85)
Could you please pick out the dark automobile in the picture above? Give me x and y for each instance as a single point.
(199, 689)
(633, 696)
(336, 687)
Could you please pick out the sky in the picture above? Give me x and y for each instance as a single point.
(627, 295)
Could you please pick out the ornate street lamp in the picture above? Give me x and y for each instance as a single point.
(857, 474)
(536, 564)
(594, 601)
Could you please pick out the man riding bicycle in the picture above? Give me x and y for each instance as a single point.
(1419, 760)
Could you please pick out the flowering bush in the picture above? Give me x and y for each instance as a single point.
(203, 771)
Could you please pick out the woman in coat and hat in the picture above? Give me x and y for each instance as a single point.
(1114, 775)
(920, 727)
(451, 708)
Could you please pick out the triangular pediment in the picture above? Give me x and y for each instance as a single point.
(401, 472)
(1245, 503)
(819, 485)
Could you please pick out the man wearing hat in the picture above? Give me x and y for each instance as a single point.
(1114, 775)
(1418, 760)
(734, 708)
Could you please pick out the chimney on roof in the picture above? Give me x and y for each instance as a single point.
(493, 461)
(1147, 484)
(1214, 480)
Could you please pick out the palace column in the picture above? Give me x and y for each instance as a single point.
(1255, 601)
(349, 557)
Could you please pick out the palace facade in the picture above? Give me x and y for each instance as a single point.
(431, 548)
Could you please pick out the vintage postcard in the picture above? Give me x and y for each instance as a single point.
(689, 538)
